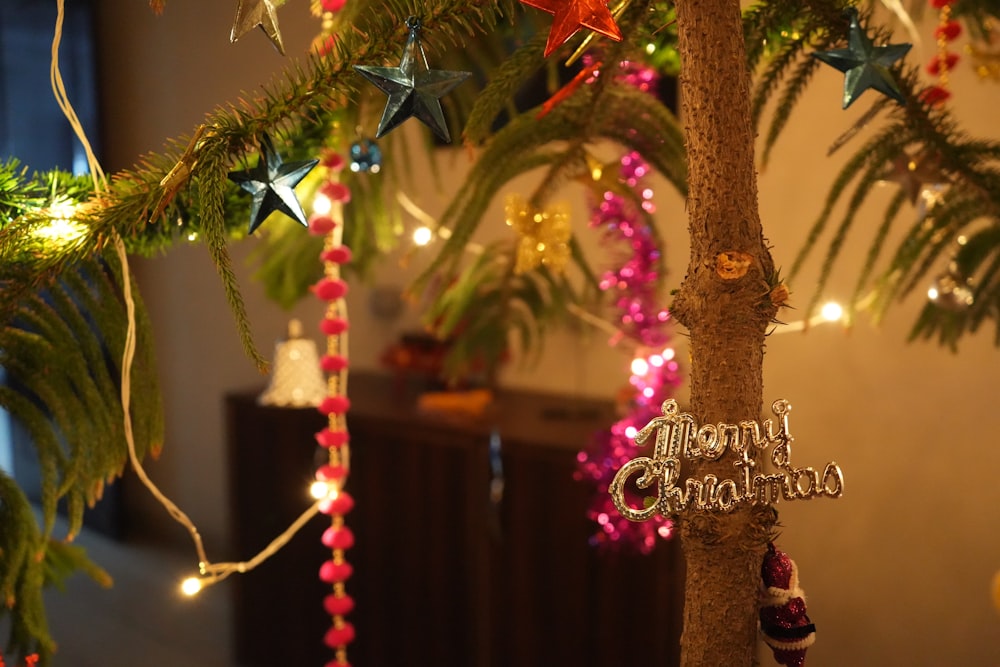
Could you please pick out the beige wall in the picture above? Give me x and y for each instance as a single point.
(897, 571)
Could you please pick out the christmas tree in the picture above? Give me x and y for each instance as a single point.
(727, 302)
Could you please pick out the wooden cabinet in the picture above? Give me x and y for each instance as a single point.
(443, 575)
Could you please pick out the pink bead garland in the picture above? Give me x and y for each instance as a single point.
(330, 289)
(320, 225)
(338, 538)
(342, 504)
(333, 326)
(334, 405)
(334, 438)
(329, 438)
(333, 363)
(339, 636)
(333, 572)
(338, 605)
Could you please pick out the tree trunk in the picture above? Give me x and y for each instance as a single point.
(725, 302)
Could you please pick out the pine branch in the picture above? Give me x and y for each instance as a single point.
(878, 243)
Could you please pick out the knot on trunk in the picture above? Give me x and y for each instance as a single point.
(732, 264)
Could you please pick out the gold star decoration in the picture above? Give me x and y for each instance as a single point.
(251, 14)
(599, 176)
(544, 234)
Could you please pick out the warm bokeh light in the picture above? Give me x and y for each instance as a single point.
(321, 204)
(319, 490)
(831, 311)
(423, 235)
(61, 229)
(191, 586)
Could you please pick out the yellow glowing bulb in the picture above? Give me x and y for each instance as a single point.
(831, 311)
(319, 490)
(191, 586)
(322, 204)
(423, 235)
(640, 366)
(61, 228)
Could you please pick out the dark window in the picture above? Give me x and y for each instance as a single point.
(32, 127)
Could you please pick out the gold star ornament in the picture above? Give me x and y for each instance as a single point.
(544, 234)
(252, 14)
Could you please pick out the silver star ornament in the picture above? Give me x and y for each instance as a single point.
(414, 90)
(271, 183)
(865, 65)
(251, 14)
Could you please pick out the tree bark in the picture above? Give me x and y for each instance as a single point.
(725, 303)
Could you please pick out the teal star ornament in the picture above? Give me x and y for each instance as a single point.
(865, 65)
(413, 90)
(251, 14)
(271, 183)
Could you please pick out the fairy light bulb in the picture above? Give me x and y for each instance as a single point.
(831, 311)
(321, 204)
(61, 228)
(423, 235)
(319, 490)
(191, 586)
(640, 366)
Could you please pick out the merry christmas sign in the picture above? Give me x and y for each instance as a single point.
(679, 438)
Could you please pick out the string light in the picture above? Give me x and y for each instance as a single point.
(832, 311)
(423, 235)
(65, 228)
(61, 229)
(191, 586)
(319, 490)
(321, 204)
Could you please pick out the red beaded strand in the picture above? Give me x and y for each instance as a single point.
(335, 438)
(944, 60)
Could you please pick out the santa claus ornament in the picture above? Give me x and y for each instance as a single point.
(783, 620)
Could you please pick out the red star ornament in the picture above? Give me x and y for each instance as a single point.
(571, 15)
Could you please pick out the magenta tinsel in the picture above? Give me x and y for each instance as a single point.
(643, 318)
